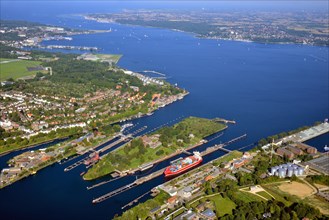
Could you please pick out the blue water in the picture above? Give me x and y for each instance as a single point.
(267, 89)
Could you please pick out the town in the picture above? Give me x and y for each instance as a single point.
(20, 34)
(266, 27)
(41, 103)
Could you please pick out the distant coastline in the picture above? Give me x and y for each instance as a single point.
(296, 38)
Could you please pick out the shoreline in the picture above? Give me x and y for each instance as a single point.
(199, 36)
(33, 145)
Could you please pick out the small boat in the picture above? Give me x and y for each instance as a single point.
(326, 148)
(123, 127)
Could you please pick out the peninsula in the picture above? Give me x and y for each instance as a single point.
(265, 27)
(160, 145)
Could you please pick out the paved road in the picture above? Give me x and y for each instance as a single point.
(9, 61)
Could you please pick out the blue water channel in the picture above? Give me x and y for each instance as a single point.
(266, 88)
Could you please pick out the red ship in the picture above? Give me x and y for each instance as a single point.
(183, 165)
(93, 158)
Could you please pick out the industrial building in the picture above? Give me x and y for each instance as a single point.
(284, 152)
(295, 150)
(309, 149)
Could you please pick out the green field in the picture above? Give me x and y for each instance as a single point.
(273, 190)
(248, 197)
(222, 205)
(17, 69)
(4, 59)
(264, 194)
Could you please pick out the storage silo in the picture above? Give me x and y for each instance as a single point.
(290, 172)
(300, 171)
(285, 166)
(273, 170)
(282, 173)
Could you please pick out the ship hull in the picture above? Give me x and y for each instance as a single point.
(169, 173)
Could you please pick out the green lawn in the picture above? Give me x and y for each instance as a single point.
(264, 194)
(222, 205)
(278, 195)
(17, 69)
(5, 59)
(247, 197)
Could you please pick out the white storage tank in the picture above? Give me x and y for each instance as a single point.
(300, 171)
(296, 173)
(290, 171)
(273, 170)
(282, 173)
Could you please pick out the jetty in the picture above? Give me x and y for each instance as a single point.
(115, 192)
(129, 186)
(152, 71)
(72, 166)
(135, 200)
(92, 148)
(102, 183)
(122, 139)
(224, 120)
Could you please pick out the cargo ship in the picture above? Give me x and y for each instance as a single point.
(182, 165)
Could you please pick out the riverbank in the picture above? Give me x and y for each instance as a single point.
(34, 145)
(11, 175)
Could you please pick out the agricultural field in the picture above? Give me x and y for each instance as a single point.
(17, 68)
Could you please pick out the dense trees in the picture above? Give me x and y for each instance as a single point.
(273, 209)
(320, 179)
(18, 142)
